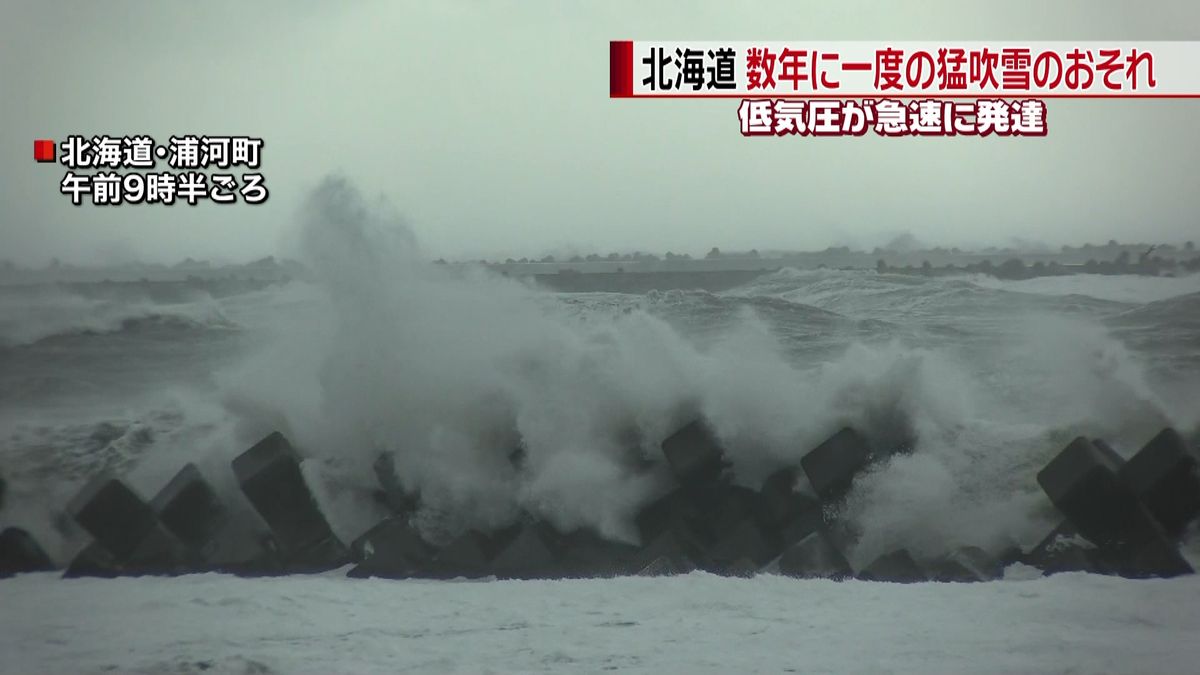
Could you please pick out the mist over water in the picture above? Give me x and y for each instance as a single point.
(454, 369)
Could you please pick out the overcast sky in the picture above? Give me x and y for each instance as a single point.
(488, 125)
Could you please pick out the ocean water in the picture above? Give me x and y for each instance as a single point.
(454, 368)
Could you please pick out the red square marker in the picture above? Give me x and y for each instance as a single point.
(43, 150)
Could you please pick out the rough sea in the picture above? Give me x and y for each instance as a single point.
(979, 381)
(453, 371)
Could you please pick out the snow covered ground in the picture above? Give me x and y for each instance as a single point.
(694, 623)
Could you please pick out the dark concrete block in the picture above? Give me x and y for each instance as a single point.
(326, 554)
(1152, 556)
(269, 474)
(1064, 550)
(1165, 476)
(1008, 555)
(674, 512)
(981, 563)
(1083, 483)
(20, 552)
(965, 565)
(781, 502)
(694, 455)
(897, 566)
(725, 507)
(391, 491)
(532, 554)
(588, 555)
(93, 561)
(391, 535)
(1147, 558)
(814, 557)
(1070, 471)
(708, 519)
(189, 508)
(392, 549)
(243, 549)
(746, 541)
(950, 570)
(798, 528)
(669, 545)
(665, 566)
(832, 465)
(742, 567)
(113, 514)
(159, 553)
(466, 556)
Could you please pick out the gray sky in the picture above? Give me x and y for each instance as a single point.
(488, 125)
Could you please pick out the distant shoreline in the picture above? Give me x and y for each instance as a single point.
(713, 272)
